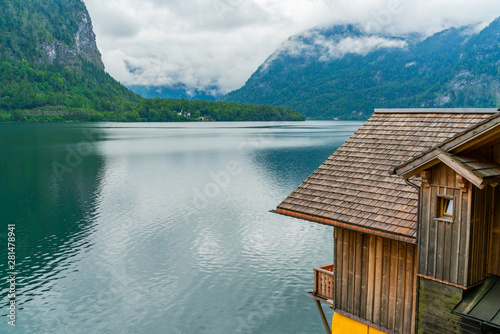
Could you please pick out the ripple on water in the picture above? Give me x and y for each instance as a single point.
(142, 238)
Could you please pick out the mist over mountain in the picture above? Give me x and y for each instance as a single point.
(343, 72)
(51, 70)
(179, 91)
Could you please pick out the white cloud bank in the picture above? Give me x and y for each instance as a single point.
(206, 43)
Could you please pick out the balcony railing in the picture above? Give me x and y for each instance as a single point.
(323, 282)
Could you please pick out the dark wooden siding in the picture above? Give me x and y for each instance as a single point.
(375, 279)
(443, 246)
(494, 267)
(481, 221)
(457, 252)
(435, 304)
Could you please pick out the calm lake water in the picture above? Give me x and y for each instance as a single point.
(161, 228)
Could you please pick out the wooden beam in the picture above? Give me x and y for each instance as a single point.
(322, 315)
(448, 160)
(417, 165)
(318, 300)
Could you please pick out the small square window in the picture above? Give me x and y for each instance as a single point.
(445, 208)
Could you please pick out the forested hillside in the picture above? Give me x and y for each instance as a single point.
(51, 70)
(343, 73)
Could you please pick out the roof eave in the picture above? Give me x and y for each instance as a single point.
(353, 227)
(435, 157)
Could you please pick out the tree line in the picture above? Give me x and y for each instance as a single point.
(52, 92)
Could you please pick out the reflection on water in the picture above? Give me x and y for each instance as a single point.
(162, 228)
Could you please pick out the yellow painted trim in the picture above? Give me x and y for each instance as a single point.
(372, 330)
(345, 325)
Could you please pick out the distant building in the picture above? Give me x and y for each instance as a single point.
(413, 199)
(184, 113)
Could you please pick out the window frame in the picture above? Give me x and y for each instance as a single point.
(442, 205)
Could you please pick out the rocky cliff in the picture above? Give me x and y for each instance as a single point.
(50, 31)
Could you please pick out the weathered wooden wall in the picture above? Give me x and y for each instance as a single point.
(494, 265)
(435, 303)
(480, 235)
(457, 252)
(494, 251)
(375, 279)
(443, 246)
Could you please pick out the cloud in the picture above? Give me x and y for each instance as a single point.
(362, 45)
(207, 43)
(329, 44)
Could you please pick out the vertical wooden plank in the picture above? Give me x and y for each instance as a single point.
(464, 226)
(476, 209)
(384, 306)
(377, 300)
(432, 235)
(345, 269)
(401, 295)
(495, 243)
(482, 228)
(489, 229)
(364, 275)
(472, 241)
(485, 238)
(450, 181)
(440, 246)
(439, 226)
(338, 270)
(454, 268)
(448, 245)
(491, 225)
(414, 279)
(408, 282)
(467, 236)
(393, 282)
(357, 274)
(480, 236)
(424, 230)
(372, 252)
(350, 282)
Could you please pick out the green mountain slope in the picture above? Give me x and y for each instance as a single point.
(51, 70)
(342, 72)
(49, 58)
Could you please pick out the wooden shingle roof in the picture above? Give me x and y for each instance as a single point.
(354, 189)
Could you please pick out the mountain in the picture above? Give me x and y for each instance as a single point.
(178, 91)
(51, 70)
(57, 32)
(49, 59)
(344, 72)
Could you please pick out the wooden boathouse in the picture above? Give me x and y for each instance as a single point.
(413, 200)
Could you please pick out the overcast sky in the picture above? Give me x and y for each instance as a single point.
(204, 43)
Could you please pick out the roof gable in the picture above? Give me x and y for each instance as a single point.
(456, 154)
(354, 189)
